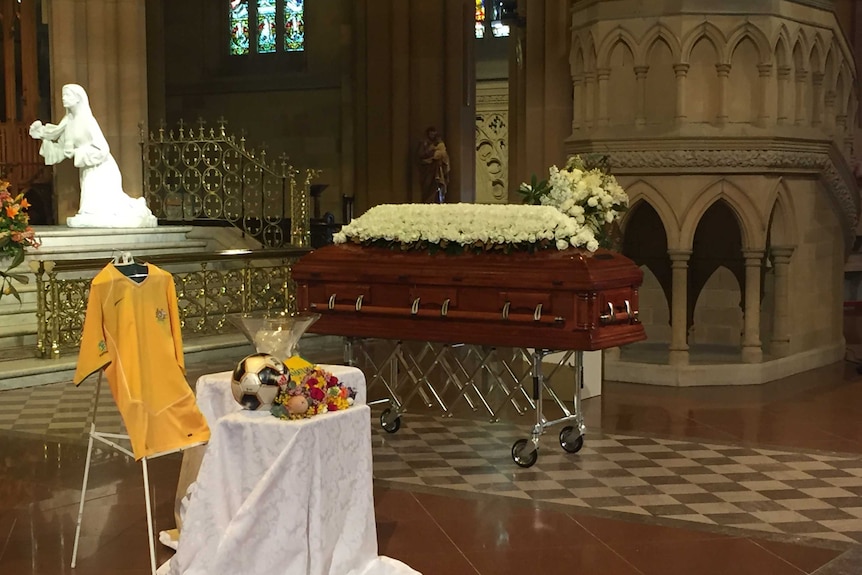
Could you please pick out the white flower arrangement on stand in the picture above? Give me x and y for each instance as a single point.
(584, 190)
(573, 209)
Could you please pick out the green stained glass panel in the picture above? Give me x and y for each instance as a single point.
(266, 26)
(239, 38)
(294, 26)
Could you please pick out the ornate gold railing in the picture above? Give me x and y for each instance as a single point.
(209, 288)
(204, 176)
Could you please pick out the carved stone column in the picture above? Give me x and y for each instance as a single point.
(578, 103)
(723, 71)
(680, 72)
(829, 111)
(764, 72)
(840, 126)
(640, 76)
(589, 99)
(602, 75)
(783, 86)
(679, 307)
(817, 99)
(801, 95)
(752, 352)
(780, 345)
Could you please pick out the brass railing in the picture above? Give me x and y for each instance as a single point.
(205, 175)
(210, 287)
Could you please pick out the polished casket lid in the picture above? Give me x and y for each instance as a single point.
(555, 299)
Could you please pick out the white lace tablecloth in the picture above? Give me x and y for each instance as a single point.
(282, 497)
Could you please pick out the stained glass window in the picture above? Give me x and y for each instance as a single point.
(239, 39)
(294, 25)
(480, 18)
(498, 29)
(266, 26)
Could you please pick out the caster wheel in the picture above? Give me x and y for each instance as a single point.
(520, 458)
(568, 442)
(389, 425)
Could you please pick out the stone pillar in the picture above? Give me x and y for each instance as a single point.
(764, 71)
(801, 93)
(680, 71)
(578, 103)
(86, 49)
(783, 86)
(602, 76)
(752, 352)
(590, 99)
(640, 76)
(829, 111)
(780, 345)
(723, 71)
(817, 99)
(679, 307)
(840, 126)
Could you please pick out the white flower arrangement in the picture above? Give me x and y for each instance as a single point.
(583, 190)
(466, 227)
(573, 208)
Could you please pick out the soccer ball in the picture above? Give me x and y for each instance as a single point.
(255, 381)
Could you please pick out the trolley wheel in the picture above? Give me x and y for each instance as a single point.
(569, 443)
(520, 458)
(389, 425)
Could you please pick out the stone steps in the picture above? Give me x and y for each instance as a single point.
(19, 366)
(18, 321)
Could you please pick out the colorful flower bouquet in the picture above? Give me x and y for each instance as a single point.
(311, 393)
(15, 235)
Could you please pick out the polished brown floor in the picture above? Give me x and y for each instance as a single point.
(440, 531)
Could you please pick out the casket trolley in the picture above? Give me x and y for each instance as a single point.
(539, 302)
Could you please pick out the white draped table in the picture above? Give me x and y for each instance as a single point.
(283, 497)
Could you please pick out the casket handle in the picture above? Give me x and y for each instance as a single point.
(359, 303)
(444, 309)
(414, 309)
(614, 317)
(537, 315)
(506, 309)
(332, 301)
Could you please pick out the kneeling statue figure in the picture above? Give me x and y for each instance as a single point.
(78, 137)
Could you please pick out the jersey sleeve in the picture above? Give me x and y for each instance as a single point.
(176, 326)
(93, 354)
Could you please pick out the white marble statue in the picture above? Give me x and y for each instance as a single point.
(78, 136)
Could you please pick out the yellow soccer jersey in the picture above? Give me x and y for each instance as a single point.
(132, 330)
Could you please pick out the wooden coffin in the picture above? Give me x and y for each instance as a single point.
(551, 299)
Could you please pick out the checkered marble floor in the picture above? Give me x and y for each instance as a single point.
(59, 410)
(798, 495)
(792, 495)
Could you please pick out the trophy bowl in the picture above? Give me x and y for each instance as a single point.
(274, 333)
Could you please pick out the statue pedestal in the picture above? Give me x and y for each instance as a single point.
(114, 221)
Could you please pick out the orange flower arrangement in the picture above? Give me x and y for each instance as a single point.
(15, 236)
